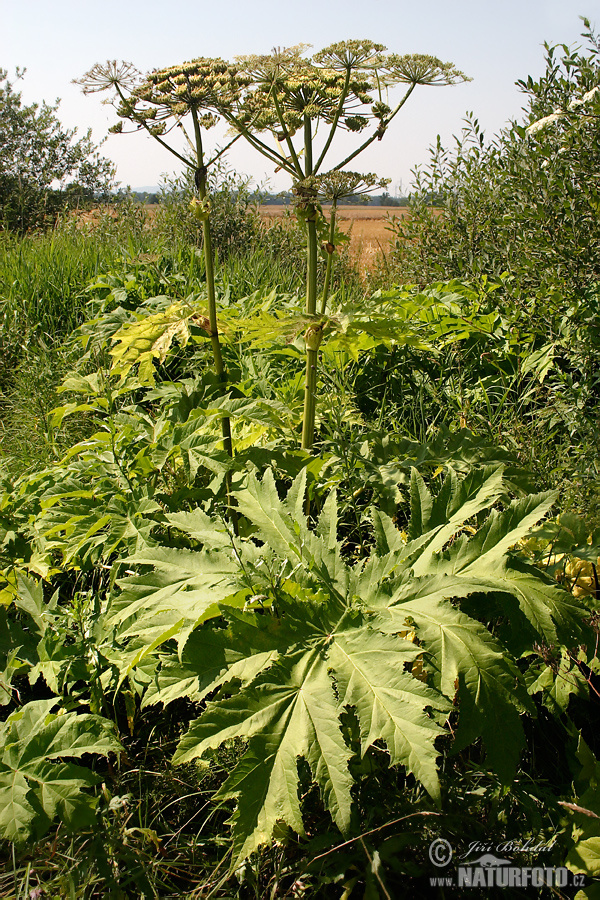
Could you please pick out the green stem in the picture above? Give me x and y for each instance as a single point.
(310, 399)
(378, 133)
(313, 335)
(270, 154)
(330, 252)
(312, 260)
(311, 225)
(208, 256)
(287, 137)
(334, 124)
(308, 148)
(212, 307)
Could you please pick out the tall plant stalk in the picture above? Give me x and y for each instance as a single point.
(289, 94)
(171, 94)
(314, 332)
(201, 187)
(330, 249)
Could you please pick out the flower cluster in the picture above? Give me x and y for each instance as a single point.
(337, 185)
(348, 56)
(418, 68)
(288, 87)
(580, 106)
(202, 84)
(344, 86)
(109, 75)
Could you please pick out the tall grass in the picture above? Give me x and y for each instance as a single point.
(44, 292)
(43, 277)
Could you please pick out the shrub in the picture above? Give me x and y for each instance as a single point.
(43, 170)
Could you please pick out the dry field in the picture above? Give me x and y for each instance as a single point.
(367, 226)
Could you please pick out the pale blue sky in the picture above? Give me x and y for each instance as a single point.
(494, 41)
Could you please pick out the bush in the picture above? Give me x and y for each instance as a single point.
(43, 170)
(525, 203)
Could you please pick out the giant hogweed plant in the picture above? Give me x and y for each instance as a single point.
(278, 102)
(421, 649)
(166, 99)
(344, 87)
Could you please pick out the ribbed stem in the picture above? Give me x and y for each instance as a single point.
(214, 327)
(212, 309)
(312, 258)
(310, 384)
(310, 399)
(330, 252)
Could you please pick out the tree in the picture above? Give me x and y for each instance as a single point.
(43, 169)
(525, 203)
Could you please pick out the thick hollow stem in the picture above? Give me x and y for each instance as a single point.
(308, 148)
(308, 421)
(214, 326)
(311, 224)
(310, 399)
(313, 334)
(212, 308)
(330, 252)
(312, 259)
(211, 295)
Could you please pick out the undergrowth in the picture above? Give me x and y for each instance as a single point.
(234, 665)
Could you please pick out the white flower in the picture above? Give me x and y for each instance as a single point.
(543, 123)
(576, 104)
(591, 94)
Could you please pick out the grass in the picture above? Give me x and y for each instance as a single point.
(157, 835)
(45, 284)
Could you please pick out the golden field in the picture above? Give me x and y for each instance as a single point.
(367, 225)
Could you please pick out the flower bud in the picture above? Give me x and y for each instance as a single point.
(200, 209)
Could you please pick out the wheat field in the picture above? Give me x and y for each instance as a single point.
(368, 226)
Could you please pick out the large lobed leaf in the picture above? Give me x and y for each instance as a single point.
(319, 638)
(327, 660)
(34, 785)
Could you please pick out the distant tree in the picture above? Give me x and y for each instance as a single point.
(148, 199)
(43, 169)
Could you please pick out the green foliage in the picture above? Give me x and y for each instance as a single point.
(37, 152)
(34, 787)
(318, 637)
(524, 203)
(360, 635)
(319, 660)
(522, 209)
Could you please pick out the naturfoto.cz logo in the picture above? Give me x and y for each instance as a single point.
(488, 870)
